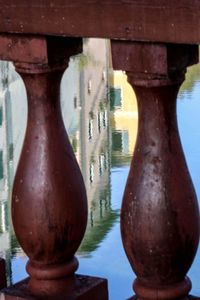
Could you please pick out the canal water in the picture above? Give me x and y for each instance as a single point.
(100, 114)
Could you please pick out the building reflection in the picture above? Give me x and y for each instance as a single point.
(6, 163)
(91, 140)
(123, 119)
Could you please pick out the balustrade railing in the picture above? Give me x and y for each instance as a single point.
(159, 216)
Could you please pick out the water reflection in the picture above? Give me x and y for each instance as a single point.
(100, 113)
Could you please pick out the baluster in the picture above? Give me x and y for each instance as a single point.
(49, 208)
(49, 205)
(160, 217)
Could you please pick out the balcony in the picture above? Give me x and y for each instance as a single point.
(153, 43)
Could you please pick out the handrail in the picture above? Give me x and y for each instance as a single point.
(157, 21)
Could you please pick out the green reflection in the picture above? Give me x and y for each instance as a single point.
(192, 76)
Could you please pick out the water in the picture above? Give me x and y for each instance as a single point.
(102, 123)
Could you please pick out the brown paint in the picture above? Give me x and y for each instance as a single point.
(38, 49)
(23, 48)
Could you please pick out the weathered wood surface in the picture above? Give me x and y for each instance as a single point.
(149, 20)
(36, 49)
(159, 215)
(82, 288)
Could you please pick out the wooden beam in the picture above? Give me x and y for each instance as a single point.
(155, 20)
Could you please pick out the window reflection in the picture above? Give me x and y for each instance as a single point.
(91, 172)
(90, 130)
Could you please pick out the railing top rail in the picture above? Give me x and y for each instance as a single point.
(150, 20)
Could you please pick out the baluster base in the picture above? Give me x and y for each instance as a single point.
(189, 297)
(186, 298)
(174, 292)
(169, 292)
(79, 287)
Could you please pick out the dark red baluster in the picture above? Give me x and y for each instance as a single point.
(49, 205)
(160, 217)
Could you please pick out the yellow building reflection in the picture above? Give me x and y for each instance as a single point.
(123, 114)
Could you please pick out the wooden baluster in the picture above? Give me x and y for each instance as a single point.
(160, 217)
(49, 205)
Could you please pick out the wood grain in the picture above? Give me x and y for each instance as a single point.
(161, 21)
